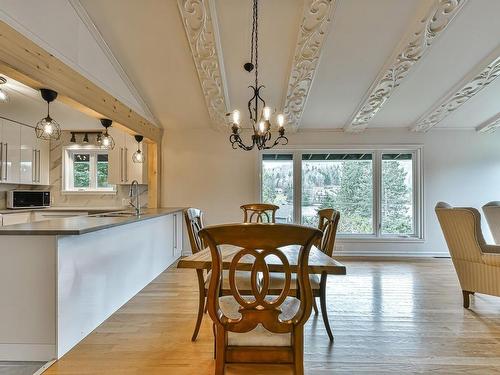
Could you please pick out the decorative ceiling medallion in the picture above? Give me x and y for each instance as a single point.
(313, 30)
(203, 40)
(482, 77)
(397, 68)
(489, 126)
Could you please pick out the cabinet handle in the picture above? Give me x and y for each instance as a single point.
(6, 160)
(121, 164)
(38, 165)
(126, 164)
(33, 165)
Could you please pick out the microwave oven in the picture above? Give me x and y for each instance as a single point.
(17, 199)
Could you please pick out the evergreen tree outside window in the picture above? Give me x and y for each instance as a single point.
(378, 192)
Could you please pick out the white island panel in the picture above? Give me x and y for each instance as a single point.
(100, 271)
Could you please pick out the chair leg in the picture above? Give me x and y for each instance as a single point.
(220, 351)
(324, 311)
(315, 306)
(201, 304)
(466, 295)
(298, 351)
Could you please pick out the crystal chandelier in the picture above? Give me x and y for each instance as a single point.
(260, 114)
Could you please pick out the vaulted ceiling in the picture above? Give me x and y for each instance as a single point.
(330, 64)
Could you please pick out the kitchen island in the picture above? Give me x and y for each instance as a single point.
(61, 278)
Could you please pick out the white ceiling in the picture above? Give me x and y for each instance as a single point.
(148, 39)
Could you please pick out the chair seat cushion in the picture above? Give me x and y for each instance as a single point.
(259, 336)
(243, 282)
(277, 281)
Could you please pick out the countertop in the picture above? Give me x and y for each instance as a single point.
(62, 209)
(82, 224)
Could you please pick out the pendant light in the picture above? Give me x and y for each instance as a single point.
(4, 97)
(106, 141)
(138, 156)
(73, 138)
(48, 128)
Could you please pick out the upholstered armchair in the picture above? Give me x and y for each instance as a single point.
(492, 213)
(477, 264)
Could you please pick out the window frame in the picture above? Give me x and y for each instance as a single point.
(68, 172)
(376, 151)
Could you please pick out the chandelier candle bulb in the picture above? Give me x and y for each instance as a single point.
(281, 120)
(236, 117)
(266, 113)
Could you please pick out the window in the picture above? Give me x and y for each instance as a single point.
(277, 184)
(342, 181)
(86, 170)
(377, 191)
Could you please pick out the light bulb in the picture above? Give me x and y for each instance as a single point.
(3, 96)
(262, 127)
(48, 128)
(236, 117)
(105, 141)
(138, 157)
(281, 120)
(266, 113)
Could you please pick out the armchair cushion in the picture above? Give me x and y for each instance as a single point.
(259, 336)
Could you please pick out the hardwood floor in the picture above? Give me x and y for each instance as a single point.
(388, 317)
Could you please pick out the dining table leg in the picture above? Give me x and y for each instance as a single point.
(322, 299)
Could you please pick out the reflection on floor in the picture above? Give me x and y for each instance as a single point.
(19, 368)
(395, 317)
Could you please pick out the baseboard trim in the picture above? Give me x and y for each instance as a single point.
(405, 254)
(27, 352)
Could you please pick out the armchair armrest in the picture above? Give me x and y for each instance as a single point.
(490, 249)
(491, 259)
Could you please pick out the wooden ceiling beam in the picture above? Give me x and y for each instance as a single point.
(26, 62)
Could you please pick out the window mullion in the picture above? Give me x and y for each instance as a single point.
(377, 193)
(297, 187)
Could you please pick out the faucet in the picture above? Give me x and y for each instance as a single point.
(134, 193)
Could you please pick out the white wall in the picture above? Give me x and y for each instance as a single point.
(461, 167)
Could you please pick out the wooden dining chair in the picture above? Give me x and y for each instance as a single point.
(257, 212)
(259, 328)
(194, 223)
(328, 223)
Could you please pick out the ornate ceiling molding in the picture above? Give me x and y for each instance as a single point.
(200, 24)
(489, 126)
(411, 50)
(317, 15)
(478, 79)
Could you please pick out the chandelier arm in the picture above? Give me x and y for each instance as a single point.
(236, 141)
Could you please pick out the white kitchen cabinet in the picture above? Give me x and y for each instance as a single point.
(34, 169)
(10, 152)
(16, 218)
(122, 170)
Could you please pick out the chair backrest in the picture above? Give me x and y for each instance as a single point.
(328, 224)
(194, 223)
(257, 212)
(492, 213)
(462, 230)
(260, 241)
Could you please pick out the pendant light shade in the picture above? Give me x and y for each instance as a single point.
(138, 156)
(106, 141)
(48, 128)
(4, 97)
